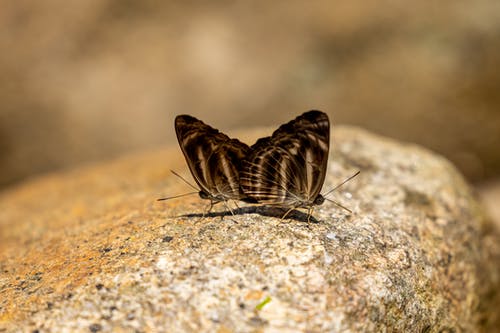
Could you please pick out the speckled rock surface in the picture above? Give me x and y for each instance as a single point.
(91, 250)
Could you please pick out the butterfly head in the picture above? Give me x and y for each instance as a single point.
(205, 195)
(214, 198)
(319, 200)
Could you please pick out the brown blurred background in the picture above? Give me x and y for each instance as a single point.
(89, 80)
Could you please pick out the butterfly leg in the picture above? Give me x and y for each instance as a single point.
(309, 213)
(238, 209)
(205, 213)
(228, 208)
(209, 208)
(287, 212)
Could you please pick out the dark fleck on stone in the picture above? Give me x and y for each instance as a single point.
(167, 239)
(258, 321)
(416, 198)
(22, 285)
(106, 249)
(50, 305)
(241, 305)
(99, 286)
(95, 328)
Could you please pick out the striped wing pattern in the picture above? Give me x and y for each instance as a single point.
(213, 158)
(288, 168)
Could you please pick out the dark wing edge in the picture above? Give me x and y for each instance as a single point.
(317, 137)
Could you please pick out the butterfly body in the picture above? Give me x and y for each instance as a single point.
(213, 158)
(289, 167)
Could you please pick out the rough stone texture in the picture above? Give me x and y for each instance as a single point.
(490, 196)
(91, 250)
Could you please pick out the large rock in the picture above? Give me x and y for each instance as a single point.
(92, 250)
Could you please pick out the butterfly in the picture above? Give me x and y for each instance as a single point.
(288, 168)
(213, 158)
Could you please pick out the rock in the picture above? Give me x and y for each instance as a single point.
(92, 250)
(490, 197)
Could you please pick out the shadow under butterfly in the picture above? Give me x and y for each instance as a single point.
(285, 171)
(263, 210)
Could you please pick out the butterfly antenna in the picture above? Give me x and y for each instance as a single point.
(339, 205)
(176, 196)
(184, 180)
(339, 185)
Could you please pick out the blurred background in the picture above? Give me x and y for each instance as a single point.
(89, 80)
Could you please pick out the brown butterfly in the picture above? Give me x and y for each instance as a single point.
(213, 158)
(288, 168)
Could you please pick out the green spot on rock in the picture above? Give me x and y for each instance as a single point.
(263, 303)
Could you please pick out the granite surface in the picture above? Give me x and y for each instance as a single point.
(92, 250)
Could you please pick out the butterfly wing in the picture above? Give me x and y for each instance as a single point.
(289, 167)
(213, 158)
(224, 165)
